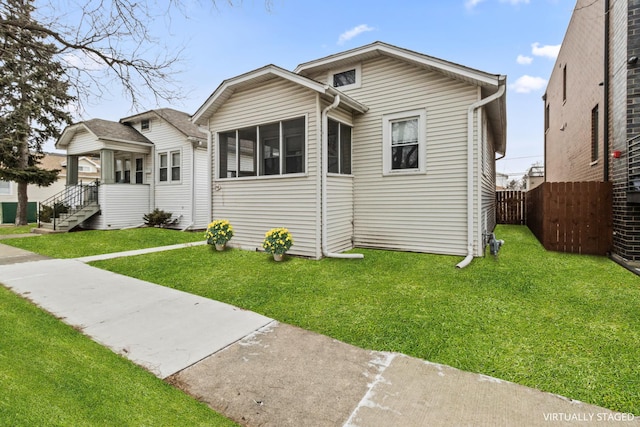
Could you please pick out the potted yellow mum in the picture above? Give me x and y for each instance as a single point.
(218, 233)
(277, 241)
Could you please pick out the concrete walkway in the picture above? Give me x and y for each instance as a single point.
(257, 371)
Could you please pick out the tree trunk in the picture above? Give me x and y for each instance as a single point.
(21, 212)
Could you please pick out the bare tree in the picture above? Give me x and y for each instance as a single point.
(98, 45)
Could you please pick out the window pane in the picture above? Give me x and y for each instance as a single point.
(175, 166)
(163, 168)
(5, 187)
(404, 156)
(345, 78)
(127, 171)
(248, 155)
(404, 132)
(227, 155)
(270, 146)
(293, 136)
(332, 147)
(345, 149)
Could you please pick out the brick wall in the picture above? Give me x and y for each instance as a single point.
(568, 137)
(624, 122)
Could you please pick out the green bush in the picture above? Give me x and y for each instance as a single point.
(48, 212)
(157, 218)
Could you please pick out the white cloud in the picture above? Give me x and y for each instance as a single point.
(524, 60)
(355, 31)
(527, 84)
(515, 2)
(86, 61)
(548, 51)
(470, 4)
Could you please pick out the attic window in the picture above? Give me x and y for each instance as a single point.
(345, 78)
(144, 125)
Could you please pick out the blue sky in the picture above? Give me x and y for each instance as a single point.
(518, 38)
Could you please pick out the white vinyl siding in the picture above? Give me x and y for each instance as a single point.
(203, 209)
(173, 196)
(488, 186)
(340, 213)
(414, 212)
(132, 204)
(254, 205)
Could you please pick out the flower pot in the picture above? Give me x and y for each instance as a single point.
(220, 246)
(278, 257)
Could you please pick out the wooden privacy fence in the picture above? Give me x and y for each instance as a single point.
(572, 217)
(510, 207)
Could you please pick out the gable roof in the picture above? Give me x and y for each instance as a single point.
(181, 121)
(104, 130)
(375, 49)
(261, 75)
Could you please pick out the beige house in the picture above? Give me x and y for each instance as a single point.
(375, 147)
(156, 159)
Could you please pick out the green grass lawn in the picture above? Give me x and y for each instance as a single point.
(51, 374)
(562, 323)
(95, 242)
(12, 229)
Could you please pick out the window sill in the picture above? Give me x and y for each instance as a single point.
(593, 163)
(404, 173)
(340, 175)
(169, 182)
(263, 177)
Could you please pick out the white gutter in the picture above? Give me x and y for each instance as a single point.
(470, 122)
(325, 171)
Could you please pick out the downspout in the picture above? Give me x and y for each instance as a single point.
(470, 134)
(606, 90)
(324, 172)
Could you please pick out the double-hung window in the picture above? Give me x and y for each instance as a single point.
(139, 170)
(168, 166)
(339, 147)
(264, 150)
(5, 187)
(404, 141)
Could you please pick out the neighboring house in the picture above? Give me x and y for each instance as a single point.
(502, 181)
(592, 112)
(156, 159)
(89, 169)
(375, 147)
(534, 177)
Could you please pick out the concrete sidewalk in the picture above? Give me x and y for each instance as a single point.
(260, 372)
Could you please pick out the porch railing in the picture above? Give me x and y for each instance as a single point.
(67, 202)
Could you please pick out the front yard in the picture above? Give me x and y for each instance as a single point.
(566, 324)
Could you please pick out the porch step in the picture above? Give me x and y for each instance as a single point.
(69, 221)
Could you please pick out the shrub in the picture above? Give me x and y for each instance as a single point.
(277, 241)
(47, 211)
(157, 218)
(219, 232)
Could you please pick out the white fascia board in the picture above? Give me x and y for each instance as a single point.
(231, 84)
(69, 133)
(481, 77)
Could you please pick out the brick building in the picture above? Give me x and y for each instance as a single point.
(592, 112)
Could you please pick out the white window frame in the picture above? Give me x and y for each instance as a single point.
(169, 167)
(356, 85)
(259, 151)
(387, 120)
(148, 121)
(6, 190)
(340, 155)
